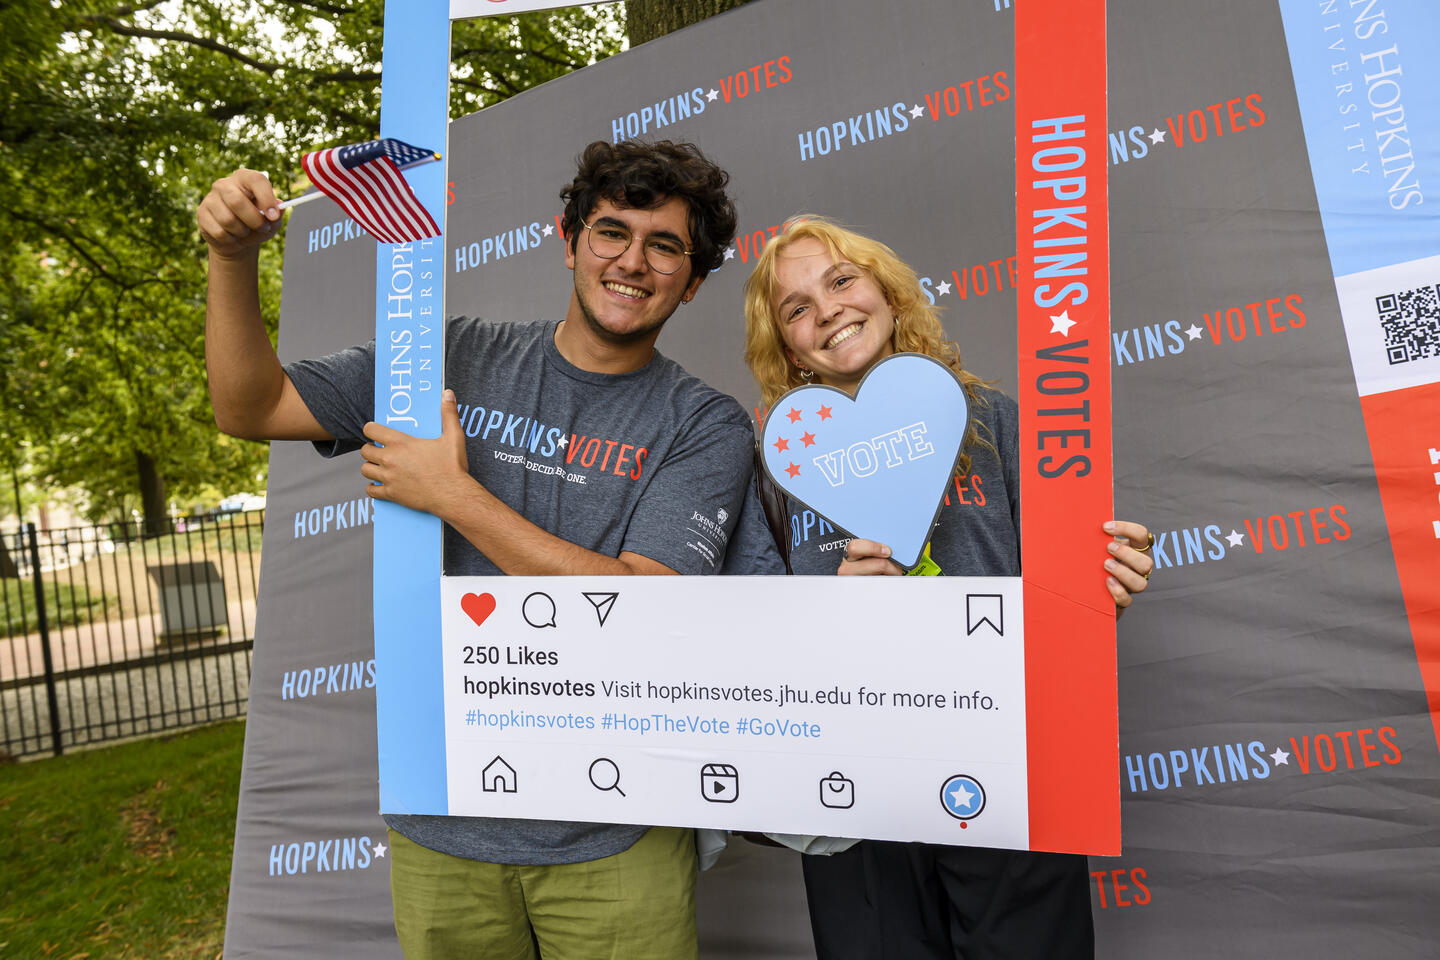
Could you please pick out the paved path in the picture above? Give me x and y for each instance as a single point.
(126, 703)
(185, 686)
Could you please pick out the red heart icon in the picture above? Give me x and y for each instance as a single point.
(478, 606)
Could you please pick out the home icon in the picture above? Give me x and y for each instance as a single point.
(497, 776)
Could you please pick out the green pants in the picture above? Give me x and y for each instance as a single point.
(636, 905)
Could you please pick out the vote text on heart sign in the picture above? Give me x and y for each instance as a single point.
(875, 466)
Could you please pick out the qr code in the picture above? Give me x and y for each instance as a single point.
(1411, 321)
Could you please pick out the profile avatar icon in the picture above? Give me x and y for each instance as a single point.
(962, 797)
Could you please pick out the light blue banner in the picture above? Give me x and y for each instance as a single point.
(1368, 82)
(409, 365)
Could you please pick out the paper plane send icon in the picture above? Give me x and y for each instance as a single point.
(603, 603)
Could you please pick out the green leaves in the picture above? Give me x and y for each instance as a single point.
(114, 120)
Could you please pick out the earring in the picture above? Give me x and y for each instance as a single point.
(807, 374)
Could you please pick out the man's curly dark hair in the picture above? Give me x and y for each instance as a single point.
(643, 175)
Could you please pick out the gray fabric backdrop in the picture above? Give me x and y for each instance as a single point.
(1278, 764)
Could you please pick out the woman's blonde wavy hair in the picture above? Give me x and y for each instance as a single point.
(917, 325)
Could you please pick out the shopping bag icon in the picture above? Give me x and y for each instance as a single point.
(837, 791)
(719, 783)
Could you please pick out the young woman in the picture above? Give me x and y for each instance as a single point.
(824, 305)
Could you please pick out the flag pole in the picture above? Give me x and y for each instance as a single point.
(294, 202)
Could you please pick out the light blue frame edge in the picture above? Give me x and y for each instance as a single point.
(409, 334)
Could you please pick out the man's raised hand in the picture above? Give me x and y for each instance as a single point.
(238, 214)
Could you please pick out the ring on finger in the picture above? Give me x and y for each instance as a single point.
(1149, 542)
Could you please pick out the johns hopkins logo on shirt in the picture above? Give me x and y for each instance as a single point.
(711, 529)
(708, 537)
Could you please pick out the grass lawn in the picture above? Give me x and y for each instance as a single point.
(64, 605)
(121, 852)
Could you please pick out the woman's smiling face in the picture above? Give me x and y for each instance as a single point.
(834, 318)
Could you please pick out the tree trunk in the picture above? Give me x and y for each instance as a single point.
(8, 568)
(648, 19)
(152, 496)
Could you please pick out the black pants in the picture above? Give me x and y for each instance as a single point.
(917, 901)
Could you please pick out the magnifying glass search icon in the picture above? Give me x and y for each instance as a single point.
(605, 775)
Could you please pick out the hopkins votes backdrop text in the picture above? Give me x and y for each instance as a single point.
(1279, 766)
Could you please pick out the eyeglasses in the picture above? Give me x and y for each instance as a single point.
(608, 239)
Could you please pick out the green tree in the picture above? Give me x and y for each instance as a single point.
(648, 19)
(114, 120)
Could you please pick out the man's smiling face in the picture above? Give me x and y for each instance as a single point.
(624, 300)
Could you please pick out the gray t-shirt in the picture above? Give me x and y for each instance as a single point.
(652, 461)
(978, 531)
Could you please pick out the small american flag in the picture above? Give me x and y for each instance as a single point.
(365, 179)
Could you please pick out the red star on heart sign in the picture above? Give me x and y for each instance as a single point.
(824, 413)
(794, 415)
(808, 439)
(793, 469)
(781, 444)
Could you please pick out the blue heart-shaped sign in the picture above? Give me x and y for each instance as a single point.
(875, 466)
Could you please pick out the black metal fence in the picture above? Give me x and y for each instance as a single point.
(118, 631)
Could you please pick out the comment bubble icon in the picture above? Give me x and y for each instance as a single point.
(539, 610)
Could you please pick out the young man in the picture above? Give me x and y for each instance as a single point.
(644, 224)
